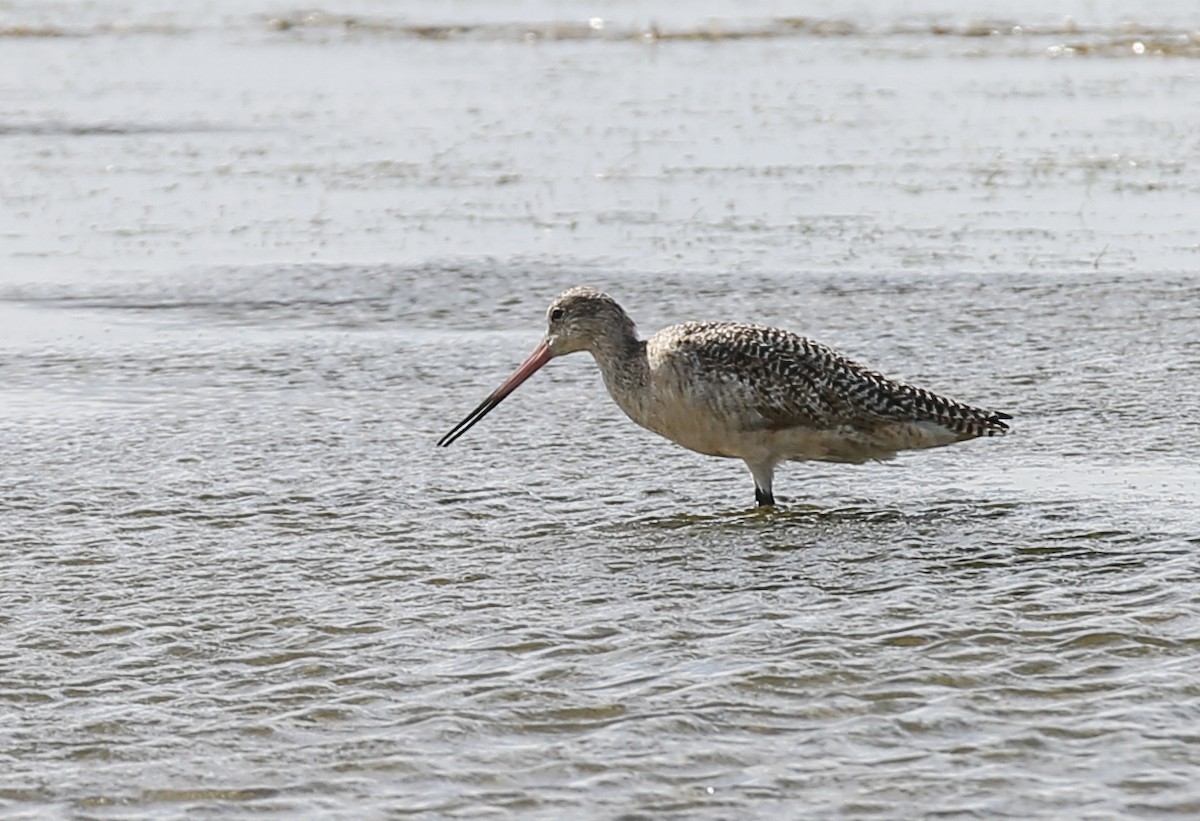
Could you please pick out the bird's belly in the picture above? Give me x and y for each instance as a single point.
(765, 445)
(694, 428)
(714, 429)
(841, 444)
(711, 425)
(709, 441)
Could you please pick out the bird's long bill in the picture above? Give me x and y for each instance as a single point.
(539, 357)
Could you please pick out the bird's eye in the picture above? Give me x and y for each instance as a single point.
(557, 314)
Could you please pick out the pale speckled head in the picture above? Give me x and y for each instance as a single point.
(582, 318)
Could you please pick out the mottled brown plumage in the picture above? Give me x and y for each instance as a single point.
(760, 394)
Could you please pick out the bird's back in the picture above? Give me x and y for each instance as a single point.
(771, 379)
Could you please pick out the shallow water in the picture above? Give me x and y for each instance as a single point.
(255, 263)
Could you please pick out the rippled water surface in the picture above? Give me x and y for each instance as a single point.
(255, 261)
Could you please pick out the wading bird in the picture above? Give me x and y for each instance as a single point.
(762, 395)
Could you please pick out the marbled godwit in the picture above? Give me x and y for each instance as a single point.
(762, 395)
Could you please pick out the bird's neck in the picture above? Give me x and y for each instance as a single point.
(623, 364)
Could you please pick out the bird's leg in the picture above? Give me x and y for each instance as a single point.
(764, 474)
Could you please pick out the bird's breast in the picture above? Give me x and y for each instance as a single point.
(699, 415)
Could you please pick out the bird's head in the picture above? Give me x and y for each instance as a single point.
(582, 319)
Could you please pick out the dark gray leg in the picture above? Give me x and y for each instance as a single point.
(764, 476)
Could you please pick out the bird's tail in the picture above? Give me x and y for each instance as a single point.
(965, 421)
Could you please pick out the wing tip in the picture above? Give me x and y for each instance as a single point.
(996, 423)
